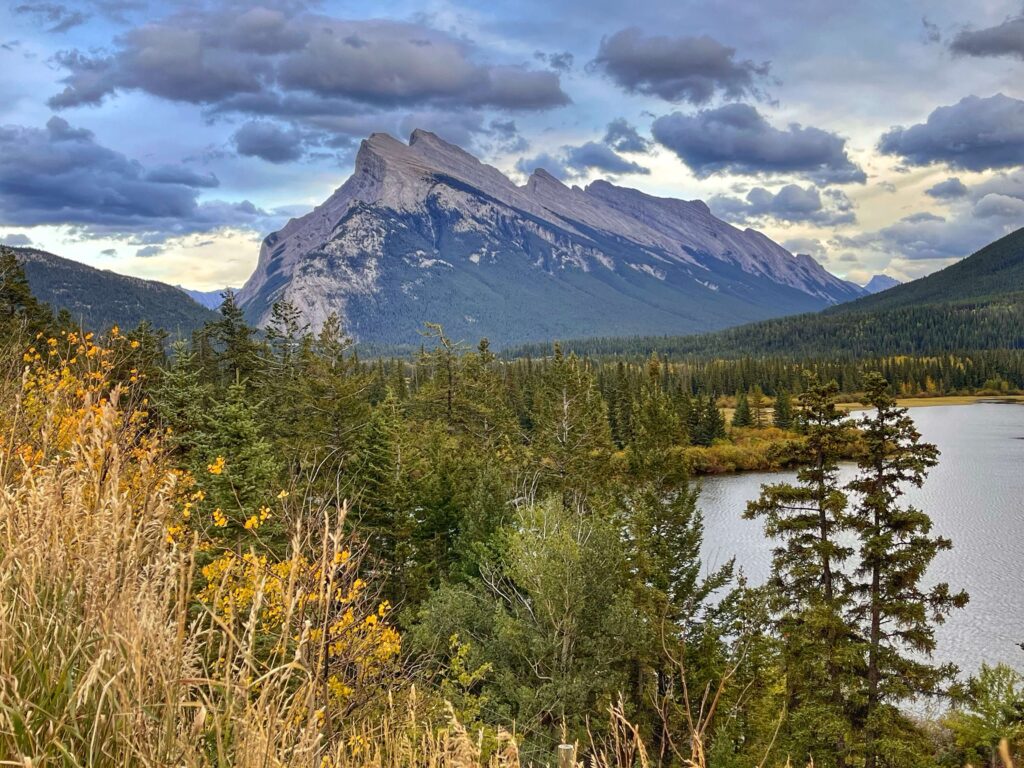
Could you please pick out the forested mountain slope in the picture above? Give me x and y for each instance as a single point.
(99, 299)
(977, 303)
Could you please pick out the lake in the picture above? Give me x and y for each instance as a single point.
(975, 497)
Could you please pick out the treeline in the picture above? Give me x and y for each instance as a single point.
(522, 541)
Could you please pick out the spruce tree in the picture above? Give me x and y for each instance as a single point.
(572, 442)
(756, 399)
(897, 615)
(741, 416)
(664, 531)
(810, 590)
(782, 415)
(22, 316)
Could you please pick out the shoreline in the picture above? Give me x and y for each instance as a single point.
(926, 402)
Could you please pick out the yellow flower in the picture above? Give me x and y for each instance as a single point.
(283, 495)
(134, 344)
(217, 467)
(218, 518)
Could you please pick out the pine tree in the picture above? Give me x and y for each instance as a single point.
(741, 416)
(896, 613)
(20, 312)
(572, 442)
(239, 355)
(782, 415)
(664, 535)
(182, 398)
(756, 399)
(811, 593)
(382, 494)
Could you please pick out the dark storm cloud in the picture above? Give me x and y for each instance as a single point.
(61, 175)
(950, 189)
(259, 57)
(600, 157)
(623, 137)
(55, 16)
(975, 134)
(1006, 39)
(792, 203)
(269, 142)
(737, 139)
(178, 174)
(691, 69)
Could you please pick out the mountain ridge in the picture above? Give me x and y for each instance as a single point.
(425, 231)
(99, 298)
(975, 304)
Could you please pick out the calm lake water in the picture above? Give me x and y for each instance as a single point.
(975, 497)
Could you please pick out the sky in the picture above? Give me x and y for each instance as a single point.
(166, 139)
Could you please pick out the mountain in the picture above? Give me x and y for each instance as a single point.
(879, 283)
(975, 304)
(426, 232)
(99, 299)
(208, 299)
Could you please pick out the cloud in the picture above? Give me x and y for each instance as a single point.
(925, 236)
(623, 137)
(561, 62)
(600, 157)
(975, 134)
(930, 31)
(179, 174)
(1009, 184)
(268, 141)
(1006, 39)
(809, 245)
(577, 161)
(15, 238)
(544, 161)
(58, 16)
(61, 175)
(950, 189)
(506, 136)
(691, 69)
(736, 138)
(1000, 206)
(255, 60)
(149, 251)
(792, 203)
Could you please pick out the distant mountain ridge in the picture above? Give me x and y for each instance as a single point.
(975, 304)
(879, 283)
(426, 232)
(99, 299)
(208, 299)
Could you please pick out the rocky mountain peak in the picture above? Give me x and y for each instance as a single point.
(426, 231)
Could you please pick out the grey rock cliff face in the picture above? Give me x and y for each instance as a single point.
(426, 232)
